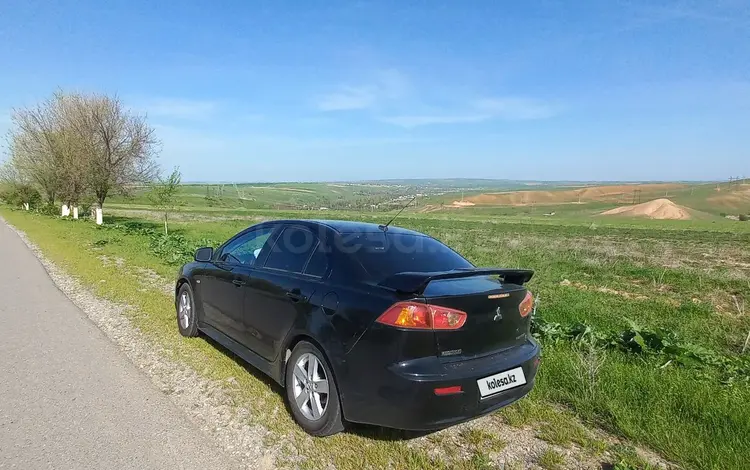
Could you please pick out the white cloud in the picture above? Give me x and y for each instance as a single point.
(348, 98)
(410, 121)
(387, 85)
(178, 108)
(719, 12)
(390, 98)
(506, 108)
(515, 109)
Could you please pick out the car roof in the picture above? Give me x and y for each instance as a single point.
(349, 226)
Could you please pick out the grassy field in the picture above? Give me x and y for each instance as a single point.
(342, 195)
(642, 324)
(560, 203)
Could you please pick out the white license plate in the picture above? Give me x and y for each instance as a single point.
(502, 381)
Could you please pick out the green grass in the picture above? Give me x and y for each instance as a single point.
(555, 426)
(679, 276)
(551, 460)
(479, 439)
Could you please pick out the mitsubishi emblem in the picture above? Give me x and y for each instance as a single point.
(498, 315)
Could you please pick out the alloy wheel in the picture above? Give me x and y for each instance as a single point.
(310, 387)
(183, 310)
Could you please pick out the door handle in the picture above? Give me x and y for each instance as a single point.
(239, 283)
(296, 296)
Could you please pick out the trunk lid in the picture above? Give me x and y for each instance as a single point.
(493, 320)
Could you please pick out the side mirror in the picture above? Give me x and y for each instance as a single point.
(204, 254)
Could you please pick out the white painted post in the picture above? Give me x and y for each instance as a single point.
(99, 220)
(25, 206)
(75, 212)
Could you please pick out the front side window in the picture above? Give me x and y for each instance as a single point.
(245, 249)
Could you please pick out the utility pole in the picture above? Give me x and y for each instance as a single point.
(636, 196)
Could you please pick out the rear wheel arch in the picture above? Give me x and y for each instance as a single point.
(332, 419)
(337, 372)
(292, 341)
(295, 339)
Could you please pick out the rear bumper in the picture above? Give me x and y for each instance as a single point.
(405, 397)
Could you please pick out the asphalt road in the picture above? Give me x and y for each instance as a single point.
(69, 398)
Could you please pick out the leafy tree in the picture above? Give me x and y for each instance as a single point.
(75, 146)
(36, 144)
(163, 195)
(119, 146)
(72, 144)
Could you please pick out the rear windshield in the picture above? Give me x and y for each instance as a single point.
(385, 254)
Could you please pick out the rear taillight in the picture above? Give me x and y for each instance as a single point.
(526, 305)
(422, 316)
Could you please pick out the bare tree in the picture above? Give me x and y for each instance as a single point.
(120, 147)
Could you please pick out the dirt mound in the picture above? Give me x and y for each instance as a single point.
(462, 204)
(656, 209)
(610, 193)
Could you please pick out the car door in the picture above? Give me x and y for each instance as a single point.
(283, 288)
(222, 290)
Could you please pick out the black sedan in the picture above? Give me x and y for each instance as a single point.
(364, 323)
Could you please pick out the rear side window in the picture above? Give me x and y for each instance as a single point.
(293, 248)
(385, 254)
(318, 263)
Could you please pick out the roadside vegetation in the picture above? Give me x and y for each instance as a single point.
(76, 149)
(642, 327)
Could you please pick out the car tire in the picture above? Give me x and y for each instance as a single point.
(317, 412)
(185, 306)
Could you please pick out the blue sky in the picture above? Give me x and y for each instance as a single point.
(328, 90)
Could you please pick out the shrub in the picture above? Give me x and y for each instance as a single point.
(48, 209)
(723, 214)
(744, 217)
(19, 194)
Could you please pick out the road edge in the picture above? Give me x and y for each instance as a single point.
(204, 401)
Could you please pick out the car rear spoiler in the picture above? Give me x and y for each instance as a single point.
(413, 282)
